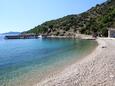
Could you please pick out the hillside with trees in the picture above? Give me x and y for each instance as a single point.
(95, 20)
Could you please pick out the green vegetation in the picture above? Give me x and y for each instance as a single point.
(95, 20)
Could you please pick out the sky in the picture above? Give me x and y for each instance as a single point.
(22, 15)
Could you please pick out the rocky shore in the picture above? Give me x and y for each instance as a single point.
(77, 36)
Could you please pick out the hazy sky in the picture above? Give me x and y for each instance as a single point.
(21, 15)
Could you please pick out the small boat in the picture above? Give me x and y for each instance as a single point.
(40, 36)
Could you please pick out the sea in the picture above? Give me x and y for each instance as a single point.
(25, 62)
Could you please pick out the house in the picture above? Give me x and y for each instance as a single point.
(111, 32)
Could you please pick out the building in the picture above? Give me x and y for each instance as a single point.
(111, 32)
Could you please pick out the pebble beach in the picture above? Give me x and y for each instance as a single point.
(96, 69)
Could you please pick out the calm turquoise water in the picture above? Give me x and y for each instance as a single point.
(24, 62)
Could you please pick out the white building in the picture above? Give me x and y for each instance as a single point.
(111, 32)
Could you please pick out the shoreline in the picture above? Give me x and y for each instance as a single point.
(92, 70)
(78, 36)
(27, 36)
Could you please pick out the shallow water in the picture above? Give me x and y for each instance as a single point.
(25, 62)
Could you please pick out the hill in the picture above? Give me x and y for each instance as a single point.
(95, 20)
(11, 33)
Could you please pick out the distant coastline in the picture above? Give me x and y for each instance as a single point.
(33, 36)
